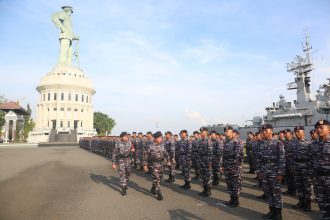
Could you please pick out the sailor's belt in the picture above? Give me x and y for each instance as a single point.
(124, 157)
(322, 172)
(269, 160)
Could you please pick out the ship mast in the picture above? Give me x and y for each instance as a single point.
(301, 68)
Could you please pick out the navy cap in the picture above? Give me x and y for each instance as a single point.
(228, 128)
(312, 131)
(204, 129)
(213, 132)
(168, 132)
(183, 131)
(149, 132)
(140, 133)
(123, 134)
(322, 122)
(266, 126)
(287, 130)
(297, 128)
(196, 132)
(157, 134)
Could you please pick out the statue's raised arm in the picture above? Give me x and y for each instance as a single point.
(62, 21)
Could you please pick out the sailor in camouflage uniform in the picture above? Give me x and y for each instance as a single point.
(301, 170)
(249, 154)
(155, 156)
(255, 152)
(139, 149)
(121, 155)
(185, 158)
(319, 152)
(194, 152)
(205, 153)
(289, 163)
(232, 165)
(217, 157)
(271, 168)
(147, 143)
(170, 149)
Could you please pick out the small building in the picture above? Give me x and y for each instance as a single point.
(14, 120)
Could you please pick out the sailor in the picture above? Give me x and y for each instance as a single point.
(121, 155)
(301, 167)
(232, 165)
(270, 169)
(289, 163)
(155, 156)
(319, 152)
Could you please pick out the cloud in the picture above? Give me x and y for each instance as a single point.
(196, 116)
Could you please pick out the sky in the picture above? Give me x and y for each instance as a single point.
(169, 64)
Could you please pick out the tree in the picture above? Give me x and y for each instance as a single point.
(2, 113)
(103, 123)
(28, 123)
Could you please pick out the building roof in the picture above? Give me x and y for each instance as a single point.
(13, 106)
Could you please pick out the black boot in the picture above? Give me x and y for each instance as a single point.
(278, 214)
(159, 195)
(203, 192)
(263, 196)
(307, 205)
(270, 214)
(123, 190)
(186, 185)
(300, 204)
(208, 191)
(153, 190)
(216, 181)
(235, 202)
(230, 202)
(170, 178)
(196, 177)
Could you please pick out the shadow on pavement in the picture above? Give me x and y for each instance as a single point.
(180, 214)
(114, 183)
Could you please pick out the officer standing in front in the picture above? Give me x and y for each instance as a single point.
(319, 152)
(121, 155)
(271, 168)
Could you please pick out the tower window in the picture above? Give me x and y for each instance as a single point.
(76, 97)
(55, 96)
(48, 96)
(82, 98)
(69, 96)
(62, 96)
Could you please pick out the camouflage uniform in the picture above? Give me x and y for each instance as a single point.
(319, 152)
(139, 152)
(194, 156)
(170, 149)
(271, 163)
(155, 156)
(301, 170)
(232, 165)
(289, 166)
(249, 154)
(185, 158)
(205, 153)
(121, 155)
(216, 159)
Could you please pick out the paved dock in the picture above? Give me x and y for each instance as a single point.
(71, 183)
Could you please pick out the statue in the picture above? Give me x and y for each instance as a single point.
(62, 21)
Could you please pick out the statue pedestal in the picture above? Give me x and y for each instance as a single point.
(65, 106)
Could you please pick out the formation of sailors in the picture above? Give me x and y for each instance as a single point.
(286, 156)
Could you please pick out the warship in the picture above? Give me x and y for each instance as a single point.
(304, 111)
